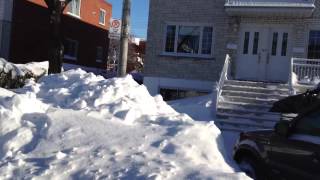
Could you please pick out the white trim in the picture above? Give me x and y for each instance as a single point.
(104, 18)
(154, 84)
(178, 54)
(72, 14)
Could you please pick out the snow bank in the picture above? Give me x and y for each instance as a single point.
(34, 68)
(15, 75)
(80, 126)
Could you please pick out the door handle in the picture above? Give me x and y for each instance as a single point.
(268, 58)
(259, 57)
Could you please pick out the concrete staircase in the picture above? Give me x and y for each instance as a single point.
(244, 105)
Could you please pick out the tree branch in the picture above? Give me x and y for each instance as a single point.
(49, 3)
(67, 2)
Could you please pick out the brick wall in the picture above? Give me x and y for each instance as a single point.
(31, 28)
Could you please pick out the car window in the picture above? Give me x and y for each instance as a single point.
(309, 125)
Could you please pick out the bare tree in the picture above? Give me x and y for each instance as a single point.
(56, 8)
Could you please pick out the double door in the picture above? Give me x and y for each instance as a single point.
(264, 54)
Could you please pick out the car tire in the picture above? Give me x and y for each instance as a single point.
(251, 167)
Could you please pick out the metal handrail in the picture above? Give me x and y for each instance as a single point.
(223, 77)
(304, 68)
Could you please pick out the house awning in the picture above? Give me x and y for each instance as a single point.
(282, 8)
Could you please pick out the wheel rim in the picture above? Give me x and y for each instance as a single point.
(248, 168)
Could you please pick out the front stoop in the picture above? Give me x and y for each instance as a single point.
(245, 105)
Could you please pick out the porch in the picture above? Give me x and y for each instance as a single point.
(242, 105)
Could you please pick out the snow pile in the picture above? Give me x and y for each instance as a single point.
(15, 75)
(80, 126)
(35, 69)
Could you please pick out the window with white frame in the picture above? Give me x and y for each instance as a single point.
(314, 45)
(189, 40)
(71, 49)
(74, 7)
(99, 54)
(102, 17)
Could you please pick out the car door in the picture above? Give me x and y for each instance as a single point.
(298, 156)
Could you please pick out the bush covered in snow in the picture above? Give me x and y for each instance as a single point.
(76, 125)
(15, 75)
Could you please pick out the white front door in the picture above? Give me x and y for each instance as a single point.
(263, 54)
(278, 60)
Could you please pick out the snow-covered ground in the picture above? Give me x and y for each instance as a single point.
(199, 108)
(80, 126)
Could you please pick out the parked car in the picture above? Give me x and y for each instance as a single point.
(290, 151)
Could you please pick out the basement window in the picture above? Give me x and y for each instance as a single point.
(174, 94)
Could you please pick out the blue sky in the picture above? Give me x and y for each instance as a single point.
(139, 15)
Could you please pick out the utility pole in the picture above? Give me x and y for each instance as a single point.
(124, 40)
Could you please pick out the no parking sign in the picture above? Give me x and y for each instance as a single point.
(115, 29)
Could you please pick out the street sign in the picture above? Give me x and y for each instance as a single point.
(115, 29)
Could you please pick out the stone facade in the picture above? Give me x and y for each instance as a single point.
(226, 32)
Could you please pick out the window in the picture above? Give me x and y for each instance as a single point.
(174, 94)
(71, 49)
(207, 40)
(102, 17)
(284, 44)
(314, 45)
(99, 54)
(189, 40)
(309, 125)
(255, 43)
(246, 42)
(170, 40)
(274, 44)
(74, 7)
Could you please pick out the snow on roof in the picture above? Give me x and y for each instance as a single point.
(271, 3)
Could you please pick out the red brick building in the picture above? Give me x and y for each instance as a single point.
(85, 29)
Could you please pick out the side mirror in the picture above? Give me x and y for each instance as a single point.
(282, 128)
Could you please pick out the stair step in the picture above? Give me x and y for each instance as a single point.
(238, 105)
(256, 90)
(245, 105)
(249, 100)
(226, 127)
(259, 119)
(248, 112)
(244, 123)
(252, 94)
(256, 84)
